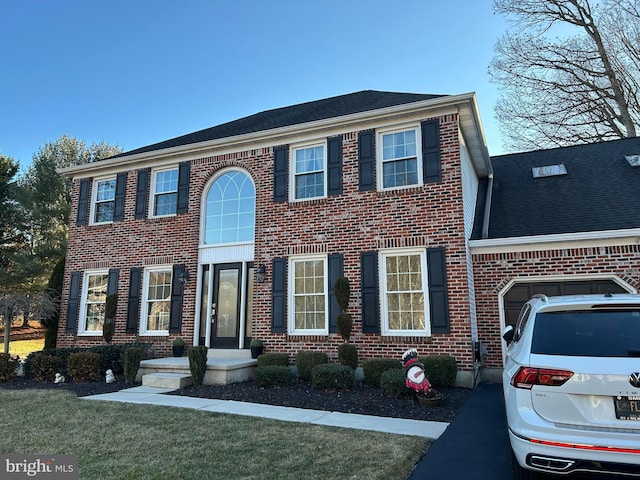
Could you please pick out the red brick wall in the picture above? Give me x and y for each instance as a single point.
(426, 216)
(493, 272)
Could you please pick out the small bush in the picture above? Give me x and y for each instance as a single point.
(132, 357)
(327, 376)
(198, 363)
(44, 367)
(108, 329)
(348, 355)
(306, 360)
(441, 370)
(111, 357)
(272, 376)
(273, 359)
(8, 367)
(84, 366)
(373, 368)
(392, 384)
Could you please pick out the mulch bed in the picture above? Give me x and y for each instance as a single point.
(364, 399)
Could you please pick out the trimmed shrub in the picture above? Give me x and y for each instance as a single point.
(272, 376)
(373, 368)
(307, 359)
(84, 366)
(44, 367)
(392, 384)
(348, 355)
(198, 363)
(132, 357)
(441, 370)
(8, 367)
(273, 359)
(327, 376)
(111, 357)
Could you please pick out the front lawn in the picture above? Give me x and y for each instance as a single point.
(129, 441)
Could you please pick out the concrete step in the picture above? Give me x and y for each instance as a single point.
(167, 380)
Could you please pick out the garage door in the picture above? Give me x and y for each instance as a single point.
(521, 292)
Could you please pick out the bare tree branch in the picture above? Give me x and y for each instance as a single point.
(558, 91)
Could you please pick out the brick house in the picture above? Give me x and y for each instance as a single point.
(559, 222)
(241, 230)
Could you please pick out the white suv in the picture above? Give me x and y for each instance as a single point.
(572, 385)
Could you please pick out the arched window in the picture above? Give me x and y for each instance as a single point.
(230, 214)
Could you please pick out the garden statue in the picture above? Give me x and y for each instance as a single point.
(110, 376)
(59, 378)
(415, 378)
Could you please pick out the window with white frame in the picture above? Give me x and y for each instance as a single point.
(404, 299)
(164, 188)
(399, 158)
(309, 171)
(156, 301)
(94, 297)
(308, 296)
(103, 200)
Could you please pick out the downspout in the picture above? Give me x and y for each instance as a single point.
(487, 208)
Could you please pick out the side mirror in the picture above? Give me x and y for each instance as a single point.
(508, 333)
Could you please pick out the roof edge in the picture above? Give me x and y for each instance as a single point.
(467, 100)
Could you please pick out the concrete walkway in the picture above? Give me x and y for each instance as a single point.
(156, 396)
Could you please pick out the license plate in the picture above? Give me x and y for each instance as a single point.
(627, 408)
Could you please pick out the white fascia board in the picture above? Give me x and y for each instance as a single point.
(465, 104)
(558, 241)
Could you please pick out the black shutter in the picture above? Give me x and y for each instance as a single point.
(438, 299)
(431, 169)
(279, 295)
(334, 166)
(133, 303)
(369, 289)
(142, 188)
(121, 188)
(83, 202)
(281, 173)
(184, 171)
(335, 271)
(73, 303)
(112, 283)
(366, 161)
(175, 317)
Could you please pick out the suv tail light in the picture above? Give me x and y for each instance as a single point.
(527, 377)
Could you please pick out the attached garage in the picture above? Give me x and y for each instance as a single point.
(519, 293)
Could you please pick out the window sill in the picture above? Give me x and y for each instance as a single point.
(90, 334)
(308, 202)
(159, 333)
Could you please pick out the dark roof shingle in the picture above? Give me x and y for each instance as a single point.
(351, 103)
(599, 192)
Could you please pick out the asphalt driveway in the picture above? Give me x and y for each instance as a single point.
(475, 446)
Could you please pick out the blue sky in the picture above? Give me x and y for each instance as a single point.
(137, 72)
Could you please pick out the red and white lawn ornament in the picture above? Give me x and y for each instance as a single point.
(415, 378)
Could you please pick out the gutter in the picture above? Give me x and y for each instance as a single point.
(487, 208)
(272, 136)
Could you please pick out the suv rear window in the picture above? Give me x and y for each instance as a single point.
(589, 333)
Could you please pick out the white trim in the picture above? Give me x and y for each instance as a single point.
(464, 104)
(94, 198)
(384, 308)
(82, 317)
(379, 154)
(556, 241)
(293, 174)
(291, 327)
(144, 332)
(551, 278)
(153, 193)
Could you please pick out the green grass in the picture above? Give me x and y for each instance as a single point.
(129, 441)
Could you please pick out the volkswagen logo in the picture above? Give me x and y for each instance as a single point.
(634, 379)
